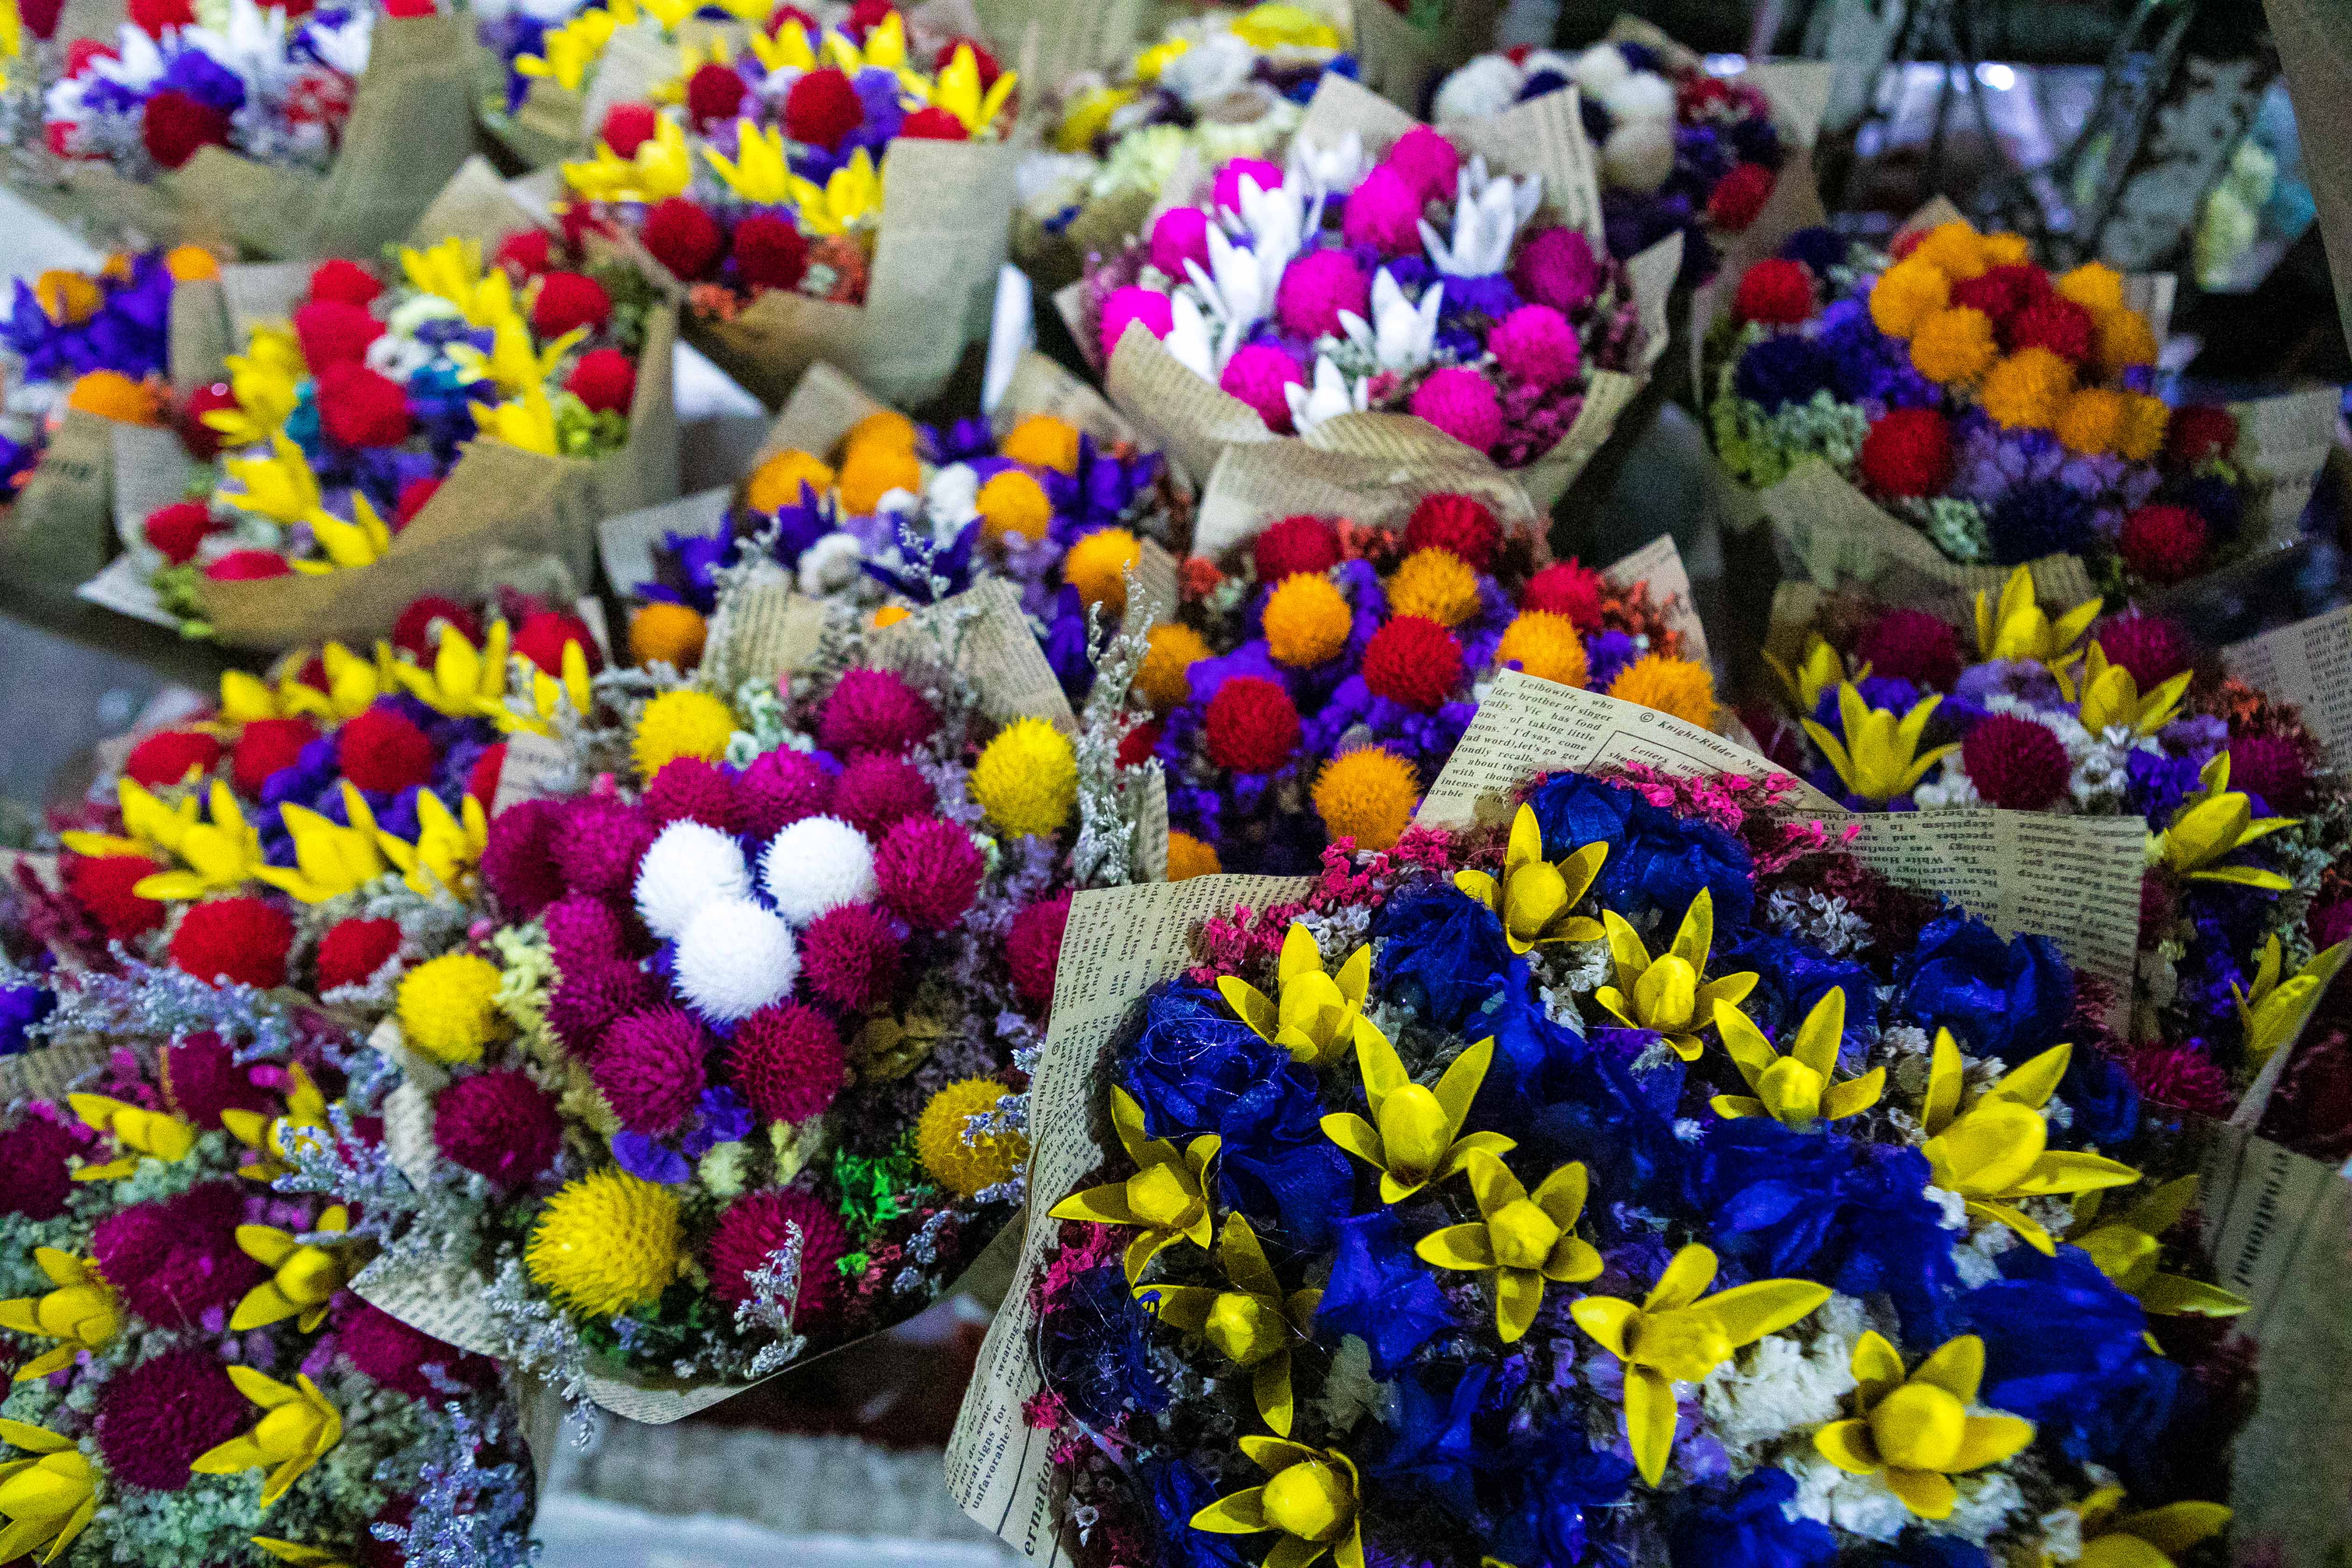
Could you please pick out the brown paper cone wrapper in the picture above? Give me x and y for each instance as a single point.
(200, 341)
(475, 205)
(60, 528)
(1404, 64)
(500, 509)
(947, 211)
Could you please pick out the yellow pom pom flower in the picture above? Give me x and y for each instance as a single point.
(1306, 620)
(1954, 250)
(191, 264)
(1174, 648)
(1027, 778)
(1907, 294)
(682, 724)
(2094, 286)
(1677, 686)
(2025, 391)
(1042, 442)
(2091, 421)
(68, 297)
(1546, 646)
(2141, 435)
(447, 1007)
(1096, 567)
(967, 1169)
(873, 471)
(606, 1242)
(662, 633)
(2006, 249)
(1438, 583)
(1954, 346)
(1367, 794)
(776, 483)
(1014, 502)
(112, 395)
(2125, 340)
(1189, 856)
(885, 428)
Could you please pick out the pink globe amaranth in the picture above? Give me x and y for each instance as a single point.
(202, 1078)
(689, 789)
(1225, 190)
(1384, 213)
(650, 1069)
(1034, 947)
(590, 997)
(390, 1354)
(518, 857)
(1177, 235)
(158, 1418)
(777, 790)
(1134, 302)
(1460, 402)
(874, 711)
(1427, 162)
(1260, 374)
(929, 871)
(175, 1259)
(755, 1227)
(582, 931)
(35, 1178)
(2270, 767)
(850, 956)
(1912, 645)
(1315, 288)
(598, 843)
(875, 791)
(2015, 762)
(499, 1125)
(789, 1061)
(2154, 648)
(1536, 345)
(1557, 267)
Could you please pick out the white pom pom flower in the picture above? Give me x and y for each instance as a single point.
(1643, 95)
(691, 865)
(1600, 68)
(1487, 85)
(830, 564)
(1638, 156)
(734, 958)
(818, 863)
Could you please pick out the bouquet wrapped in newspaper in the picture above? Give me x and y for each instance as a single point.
(1920, 422)
(817, 196)
(2244, 911)
(1407, 46)
(1437, 300)
(194, 1380)
(382, 439)
(865, 508)
(1318, 677)
(1636, 1179)
(85, 353)
(717, 1087)
(321, 133)
(1682, 150)
(1212, 87)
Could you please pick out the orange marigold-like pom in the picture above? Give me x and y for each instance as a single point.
(2124, 339)
(1367, 794)
(1955, 249)
(2091, 421)
(1187, 857)
(1677, 686)
(2094, 286)
(2140, 435)
(1546, 646)
(2025, 391)
(1954, 346)
(1905, 293)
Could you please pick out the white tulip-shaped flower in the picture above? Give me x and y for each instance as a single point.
(1401, 335)
(1189, 339)
(1340, 168)
(1487, 212)
(1331, 395)
(1277, 222)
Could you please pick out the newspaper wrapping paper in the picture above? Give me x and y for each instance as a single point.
(1404, 63)
(982, 632)
(2308, 664)
(410, 126)
(947, 213)
(1195, 423)
(1120, 941)
(498, 503)
(1659, 563)
(764, 632)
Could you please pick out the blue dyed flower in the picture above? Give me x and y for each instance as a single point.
(1543, 1485)
(1442, 954)
(2041, 517)
(1657, 861)
(1094, 1350)
(1783, 369)
(1379, 1292)
(1746, 1526)
(2007, 999)
(21, 1007)
(1432, 1449)
(1793, 976)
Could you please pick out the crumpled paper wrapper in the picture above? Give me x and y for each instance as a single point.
(1404, 64)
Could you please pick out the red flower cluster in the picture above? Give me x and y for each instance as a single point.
(1908, 452)
(1775, 291)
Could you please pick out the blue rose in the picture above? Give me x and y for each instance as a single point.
(1379, 1292)
(1431, 1447)
(1657, 861)
(1179, 1491)
(1793, 976)
(1094, 1350)
(2006, 999)
(1442, 954)
(1275, 1164)
(1543, 1484)
(2104, 1100)
(1746, 1526)
(1565, 1098)
(1192, 1059)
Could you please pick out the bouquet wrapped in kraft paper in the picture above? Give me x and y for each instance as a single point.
(1404, 59)
(1919, 423)
(410, 125)
(96, 354)
(445, 501)
(871, 516)
(1204, 355)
